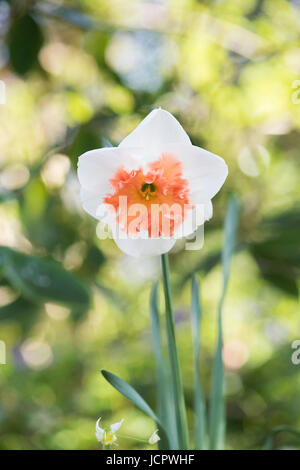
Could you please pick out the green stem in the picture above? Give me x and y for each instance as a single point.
(178, 395)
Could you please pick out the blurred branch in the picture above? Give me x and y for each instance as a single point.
(69, 15)
(81, 20)
(230, 36)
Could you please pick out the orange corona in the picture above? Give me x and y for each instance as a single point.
(162, 186)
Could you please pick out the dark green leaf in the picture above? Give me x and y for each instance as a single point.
(25, 41)
(20, 309)
(41, 279)
(276, 250)
(86, 139)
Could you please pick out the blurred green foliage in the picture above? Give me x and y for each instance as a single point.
(82, 74)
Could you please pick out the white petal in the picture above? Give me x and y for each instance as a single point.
(140, 247)
(204, 171)
(93, 205)
(155, 131)
(90, 201)
(100, 433)
(208, 211)
(98, 427)
(100, 436)
(194, 219)
(154, 438)
(115, 427)
(96, 167)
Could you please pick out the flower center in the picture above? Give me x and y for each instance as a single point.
(155, 201)
(148, 190)
(109, 438)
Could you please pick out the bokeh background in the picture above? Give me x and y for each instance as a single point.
(80, 75)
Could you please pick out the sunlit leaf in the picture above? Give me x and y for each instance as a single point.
(199, 402)
(163, 387)
(176, 381)
(217, 406)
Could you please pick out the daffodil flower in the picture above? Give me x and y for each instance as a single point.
(107, 437)
(150, 187)
(154, 438)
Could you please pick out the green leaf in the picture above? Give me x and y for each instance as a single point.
(129, 392)
(86, 139)
(111, 295)
(217, 405)
(199, 402)
(69, 15)
(94, 259)
(177, 388)
(276, 250)
(21, 310)
(163, 389)
(41, 280)
(269, 444)
(95, 43)
(207, 263)
(231, 225)
(25, 41)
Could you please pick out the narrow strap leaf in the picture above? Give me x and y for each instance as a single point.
(199, 402)
(217, 406)
(163, 389)
(129, 392)
(177, 388)
(271, 437)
